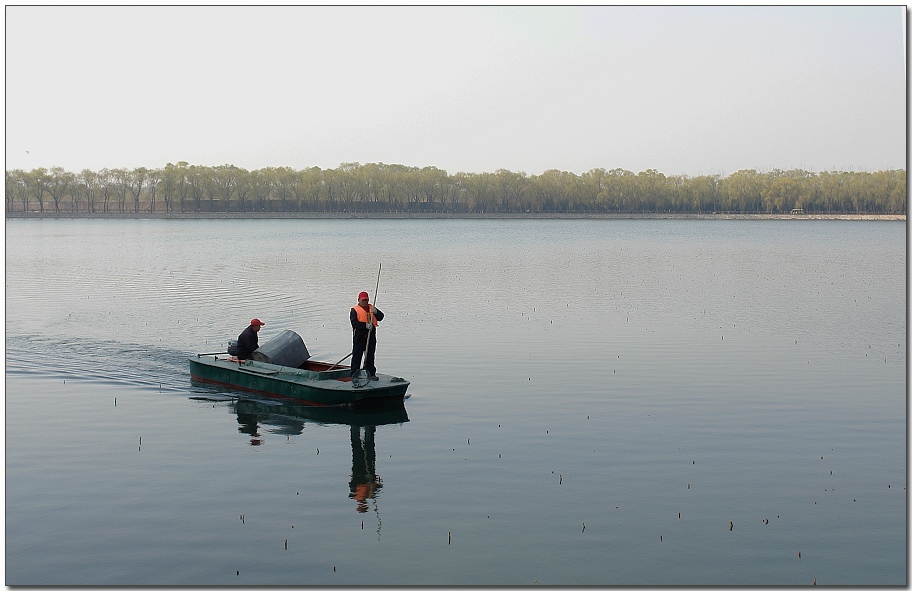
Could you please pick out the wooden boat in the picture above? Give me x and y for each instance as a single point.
(282, 368)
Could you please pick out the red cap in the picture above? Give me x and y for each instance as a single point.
(363, 296)
(257, 322)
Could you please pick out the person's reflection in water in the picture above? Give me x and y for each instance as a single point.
(364, 482)
(249, 425)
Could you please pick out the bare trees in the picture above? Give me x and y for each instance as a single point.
(84, 188)
(37, 181)
(133, 181)
(355, 187)
(17, 189)
(106, 186)
(224, 180)
(169, 178)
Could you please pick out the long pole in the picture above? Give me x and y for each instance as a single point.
(370, 315)
(339, 361)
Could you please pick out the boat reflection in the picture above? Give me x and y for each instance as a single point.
(364, 482)
(289, 419)
(254, 414)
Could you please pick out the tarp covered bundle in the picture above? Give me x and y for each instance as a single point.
(286, 348)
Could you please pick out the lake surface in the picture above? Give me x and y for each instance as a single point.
(604, 402)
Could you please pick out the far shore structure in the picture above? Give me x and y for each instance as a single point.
(392, 190)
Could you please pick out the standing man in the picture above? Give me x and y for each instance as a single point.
(364, 318)
(248, 341)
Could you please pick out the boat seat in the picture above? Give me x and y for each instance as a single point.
(259, 370)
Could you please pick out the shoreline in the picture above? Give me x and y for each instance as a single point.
(453, 216)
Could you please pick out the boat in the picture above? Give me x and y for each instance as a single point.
(282, 368)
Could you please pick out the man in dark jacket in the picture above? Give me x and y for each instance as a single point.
(247, 341)
(364, 318)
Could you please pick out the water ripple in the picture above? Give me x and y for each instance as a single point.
(97, 361)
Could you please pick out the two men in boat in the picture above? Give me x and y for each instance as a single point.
(364, 318)
(247, 341)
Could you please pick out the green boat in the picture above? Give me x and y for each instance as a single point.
(282, 368)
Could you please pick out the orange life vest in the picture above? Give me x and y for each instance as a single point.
(362, 313)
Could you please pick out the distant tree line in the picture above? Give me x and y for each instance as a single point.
(364, 188)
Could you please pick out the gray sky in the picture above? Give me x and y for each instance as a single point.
(684, 90)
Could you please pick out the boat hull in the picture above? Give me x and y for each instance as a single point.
(314, 383)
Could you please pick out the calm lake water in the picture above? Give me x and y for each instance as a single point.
(604, 402)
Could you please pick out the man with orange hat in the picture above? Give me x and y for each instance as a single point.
(247, 341)
(364, 318)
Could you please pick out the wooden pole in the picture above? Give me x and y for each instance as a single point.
(370, 314)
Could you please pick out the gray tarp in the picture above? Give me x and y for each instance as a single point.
(286, 348)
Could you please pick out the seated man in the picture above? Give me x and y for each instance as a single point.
(247, 341)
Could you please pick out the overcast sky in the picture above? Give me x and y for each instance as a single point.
(684, 90)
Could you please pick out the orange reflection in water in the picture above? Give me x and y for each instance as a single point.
(364, 482)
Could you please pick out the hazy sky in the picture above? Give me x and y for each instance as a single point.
(684, 90)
